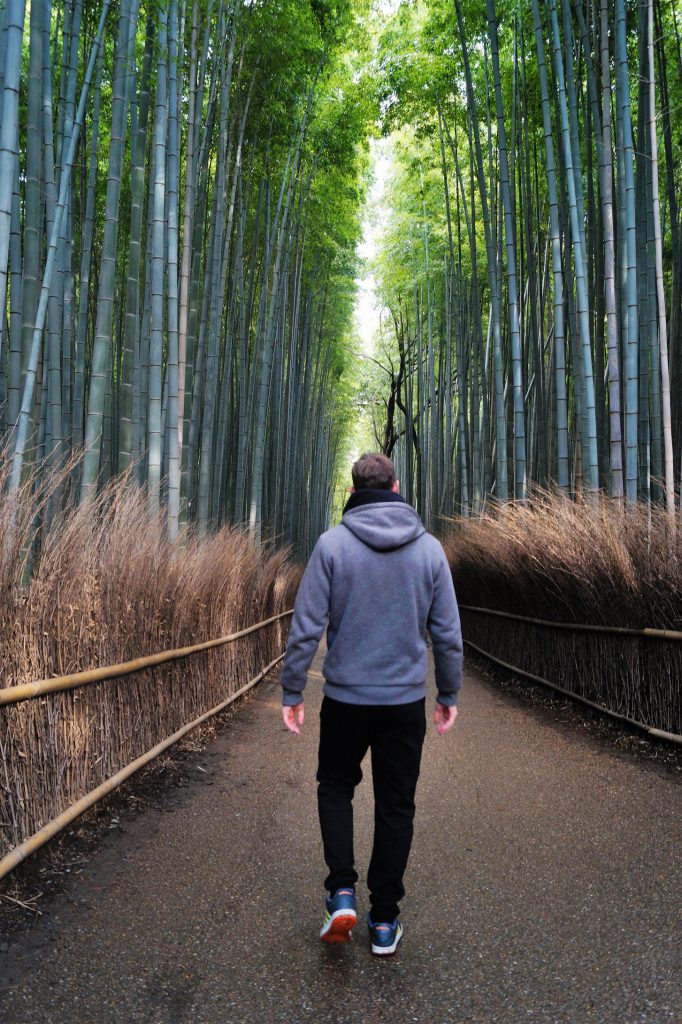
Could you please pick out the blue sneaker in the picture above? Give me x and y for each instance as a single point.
(384, 936)
(340, 917)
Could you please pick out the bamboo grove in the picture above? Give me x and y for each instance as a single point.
(180, 191)
(531, 268)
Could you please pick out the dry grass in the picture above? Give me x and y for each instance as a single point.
(106, 586)
(560, 560)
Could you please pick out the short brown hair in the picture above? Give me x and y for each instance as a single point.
(373, 470)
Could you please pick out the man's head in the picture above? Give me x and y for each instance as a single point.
(374, 470)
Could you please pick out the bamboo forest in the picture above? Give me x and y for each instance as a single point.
(184, 186)
(350, 324)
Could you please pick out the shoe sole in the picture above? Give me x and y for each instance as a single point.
(340, 927)
(387, 950)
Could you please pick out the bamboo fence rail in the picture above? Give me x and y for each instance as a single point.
(579, 627)
(650, 730)
(15, 694)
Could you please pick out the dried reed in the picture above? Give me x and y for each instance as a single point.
(557, 559)
(107, 585)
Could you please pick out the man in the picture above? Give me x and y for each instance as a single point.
(379, 580)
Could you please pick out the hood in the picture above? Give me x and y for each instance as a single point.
(384, 525)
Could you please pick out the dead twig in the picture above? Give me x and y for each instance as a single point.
(27, 905)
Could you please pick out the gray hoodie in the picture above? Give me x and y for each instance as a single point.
(378, 580)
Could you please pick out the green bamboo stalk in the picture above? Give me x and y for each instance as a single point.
(630, 265)
(512, 288)
(54, 434)
(154, 416)
(211, 383)
(87, 228)
(12, 33)
(660, 287)
(187, 228)
(173, 369)
(15, 319)
(32, 240)
(130, 385)
(557, 265)
(615, 435)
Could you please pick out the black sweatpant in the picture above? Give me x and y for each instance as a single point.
(395, 735)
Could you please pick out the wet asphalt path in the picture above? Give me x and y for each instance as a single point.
(544, 887)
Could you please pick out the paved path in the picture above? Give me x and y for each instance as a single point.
(544, 887)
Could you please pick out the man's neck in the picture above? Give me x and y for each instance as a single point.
(371, 496)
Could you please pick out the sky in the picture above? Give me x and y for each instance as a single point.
(388, 7)
(367, 309)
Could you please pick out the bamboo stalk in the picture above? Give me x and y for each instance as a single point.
(660, 290)
(13, 30)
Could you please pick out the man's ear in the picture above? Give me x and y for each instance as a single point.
(351, 490)
(396, 486)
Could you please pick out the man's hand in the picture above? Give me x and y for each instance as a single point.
(293, 717)
(444, 717)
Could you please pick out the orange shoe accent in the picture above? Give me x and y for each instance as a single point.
(341, 929)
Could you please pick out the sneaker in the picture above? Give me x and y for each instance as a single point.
(384, 936)
(340, 917)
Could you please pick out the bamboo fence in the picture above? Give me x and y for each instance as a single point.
(587, 597)
(14, 698)
(625, 673)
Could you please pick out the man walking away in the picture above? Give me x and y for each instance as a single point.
(378, 581)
